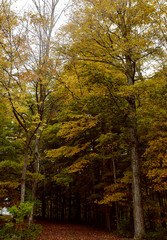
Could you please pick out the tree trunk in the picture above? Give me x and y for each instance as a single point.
(43, 207)
(35, 170)
(24, 170)
(138, 216)
(107, 216)
(36, 163)
(115, 182)
(139, 228)
(69, 203)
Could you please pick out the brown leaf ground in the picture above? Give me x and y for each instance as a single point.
(65, 231)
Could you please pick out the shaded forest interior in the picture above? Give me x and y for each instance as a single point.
(74, 204)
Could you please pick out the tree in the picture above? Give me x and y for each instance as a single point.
(28, 77)
(11, 83)
(121, 34)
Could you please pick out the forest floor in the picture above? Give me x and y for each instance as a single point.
(65, 231)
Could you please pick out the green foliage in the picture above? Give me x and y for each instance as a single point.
(125, 229)
(19, 229)
(63, 178)
(23, 210)
(157, 235)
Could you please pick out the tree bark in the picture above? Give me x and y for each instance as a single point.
(108, 219)
(138, 216)
(23, 177)
(115, 181)
(139, 228)
(36, 163)
(35, 170)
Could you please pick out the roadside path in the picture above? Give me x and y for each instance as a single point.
(65, 231)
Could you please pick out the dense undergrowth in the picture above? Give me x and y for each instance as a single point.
(16, 226)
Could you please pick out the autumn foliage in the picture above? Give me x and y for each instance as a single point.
(83, 113)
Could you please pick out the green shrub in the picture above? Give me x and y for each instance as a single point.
(21, 211)
(20, 231)
(125, 228)
(160, 234)
(19, 228)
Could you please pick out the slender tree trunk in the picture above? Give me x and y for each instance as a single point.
(69, 203)
(107, 216)
(24, 170)
(35, 170)
(162, 210)
(115, 181)
(36, 163)
(43, 206)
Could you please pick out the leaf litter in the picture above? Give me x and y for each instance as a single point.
(66, 231)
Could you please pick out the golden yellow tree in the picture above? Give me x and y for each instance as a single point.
(28, 72)
(122, 34)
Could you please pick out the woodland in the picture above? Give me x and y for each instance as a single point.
(83, 114)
